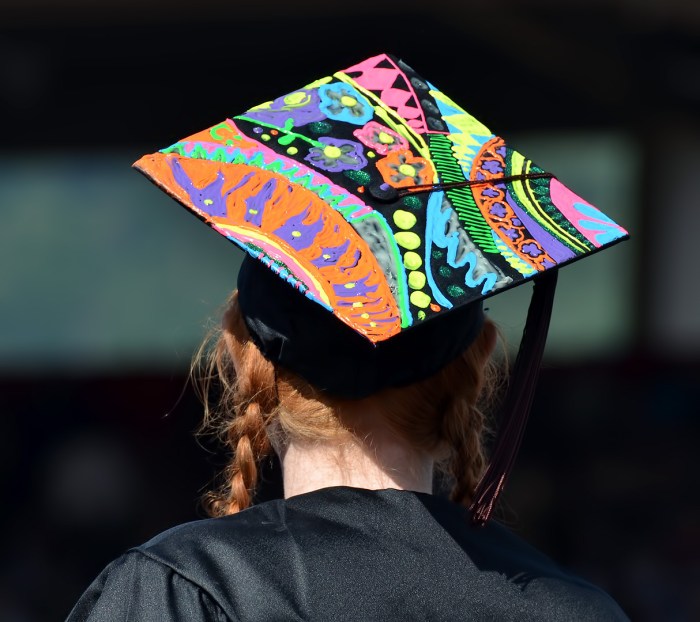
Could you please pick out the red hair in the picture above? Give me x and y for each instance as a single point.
(439, 415)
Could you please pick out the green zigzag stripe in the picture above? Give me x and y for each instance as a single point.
(292, 173)
(538, 189)
(462, 199)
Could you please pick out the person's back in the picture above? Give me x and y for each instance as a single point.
(344, 554)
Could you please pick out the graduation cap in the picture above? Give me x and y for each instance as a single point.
(377, 215)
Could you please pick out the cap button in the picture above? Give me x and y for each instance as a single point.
(383, 192)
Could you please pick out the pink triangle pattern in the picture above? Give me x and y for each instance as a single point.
(381, 80)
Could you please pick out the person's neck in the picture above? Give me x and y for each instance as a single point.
(372, 464)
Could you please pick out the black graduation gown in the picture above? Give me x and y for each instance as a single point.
(340, 554)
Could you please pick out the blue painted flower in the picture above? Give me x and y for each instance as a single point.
(342, 102)
(337, 155)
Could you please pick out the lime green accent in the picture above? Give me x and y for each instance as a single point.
(463, 120)
(349, 285)
(296, 234)
(287, 129)
(348, 101)
(297, 99)
(331, 151)
(408, 240)
(365, 316)
(420, 300)
(404, 219)
(421, 315)
(252, 211)
(357, 305)
(371, 154)
(412, 260)
(208, 201)
(264, 106)
(407, 170)
(292, 151)
(319, 82)
(265, 137)
(386, 139)
(416, 280)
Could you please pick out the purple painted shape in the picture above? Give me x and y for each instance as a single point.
(489, 192)
(554, 248)
(298, 234)
(492, 166)
(359, 288)
(355, 260)
(501, 151)
(208, 199)
(255, 204)
(301, 110)
(531, 249)
(244, 180)
(513, 234)
(498, 209)
(330, 255)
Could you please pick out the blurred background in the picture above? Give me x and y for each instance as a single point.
(107, 286)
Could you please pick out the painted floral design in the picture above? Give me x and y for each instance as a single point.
(337, 155)
(301, 106)
(401, 168)
(380, 138)
(343, 102)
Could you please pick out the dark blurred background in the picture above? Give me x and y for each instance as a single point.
(107, 286)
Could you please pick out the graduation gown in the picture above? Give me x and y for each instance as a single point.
(340, 554)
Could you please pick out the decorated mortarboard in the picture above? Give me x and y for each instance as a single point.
(385, 203)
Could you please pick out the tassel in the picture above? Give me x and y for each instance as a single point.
(518, 402)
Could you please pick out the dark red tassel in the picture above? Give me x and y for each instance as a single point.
(518, 402)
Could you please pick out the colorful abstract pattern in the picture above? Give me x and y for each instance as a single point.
(301, 184)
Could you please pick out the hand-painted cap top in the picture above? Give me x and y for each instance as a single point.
(379, 198)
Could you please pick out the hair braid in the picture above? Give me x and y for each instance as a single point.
(463, 428)
(247, 400)
(464, 424)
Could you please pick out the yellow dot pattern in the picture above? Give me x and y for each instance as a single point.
(416, 280)
(420, 299)
(409, 240)
(412, 260)
(404, 220)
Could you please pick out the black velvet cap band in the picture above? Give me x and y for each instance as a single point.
(303, 337)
